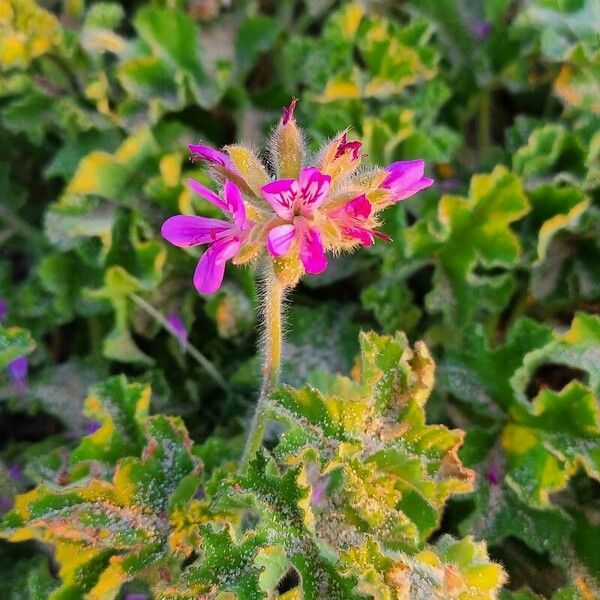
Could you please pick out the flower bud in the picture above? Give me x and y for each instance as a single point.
(288, 148)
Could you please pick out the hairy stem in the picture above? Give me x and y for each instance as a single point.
(191, 350)
(273, 308)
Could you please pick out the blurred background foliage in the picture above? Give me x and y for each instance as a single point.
(496, 267)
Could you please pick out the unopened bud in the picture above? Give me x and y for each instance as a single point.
(288, 148)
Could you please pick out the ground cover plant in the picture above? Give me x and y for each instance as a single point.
(299, 299)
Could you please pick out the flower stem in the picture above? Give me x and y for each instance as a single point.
(273, 308)
(191, 350)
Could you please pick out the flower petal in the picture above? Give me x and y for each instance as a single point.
(312, 254)
(211, 266)
(423, 183)
(207, 194)
(345, 146)
(280, 239)
(403, 174)
(189, 230)
(364, 236)
(314, 187)
(235, 204)
(280, 194)
(359, 208)
(215, 157)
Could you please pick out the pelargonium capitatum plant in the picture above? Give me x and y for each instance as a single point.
(308, 207)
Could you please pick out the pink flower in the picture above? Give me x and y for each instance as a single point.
(295, 202)
(405, 179)
(224, 237)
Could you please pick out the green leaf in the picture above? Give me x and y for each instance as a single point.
(576, 348)
(466, 233)
(108, 532)
(481, 376)
(173, 37)
(256, 35)
(384, 487)
(546, 444)
(14, 342)
(121, 409)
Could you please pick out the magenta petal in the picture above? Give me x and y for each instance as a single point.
(280, 239)
(358, 208)
(312, 254)
(423, 183)
(364, 236)
(314, 187)
(403, 174)
(211, 267)
(215, 157)
(189, 230)
(235, 204)
(346, 146)
(280, 194)
(207, 194)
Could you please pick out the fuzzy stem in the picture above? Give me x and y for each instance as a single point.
(273, 308)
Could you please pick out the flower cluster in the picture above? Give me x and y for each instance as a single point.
(300, 215)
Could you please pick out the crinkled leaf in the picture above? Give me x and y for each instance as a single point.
(467, 233)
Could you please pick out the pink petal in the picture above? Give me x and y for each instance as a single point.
(280, 194)
(346, 146)
(423, 183)
(364, 236)
(188, 230)
(312, 254)
(235, 204)
(211, 267)
(207, 194)
(314, 187)
(403, 174)
(215, 157)
(280, 239)
(358, 208)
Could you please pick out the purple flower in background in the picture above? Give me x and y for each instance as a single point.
(136, 596)
(14, 471)
(224, 238)
(177, 329)
(494, 475)
(92, 427)
(481, 29)
(17, 371)
(3, 309)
